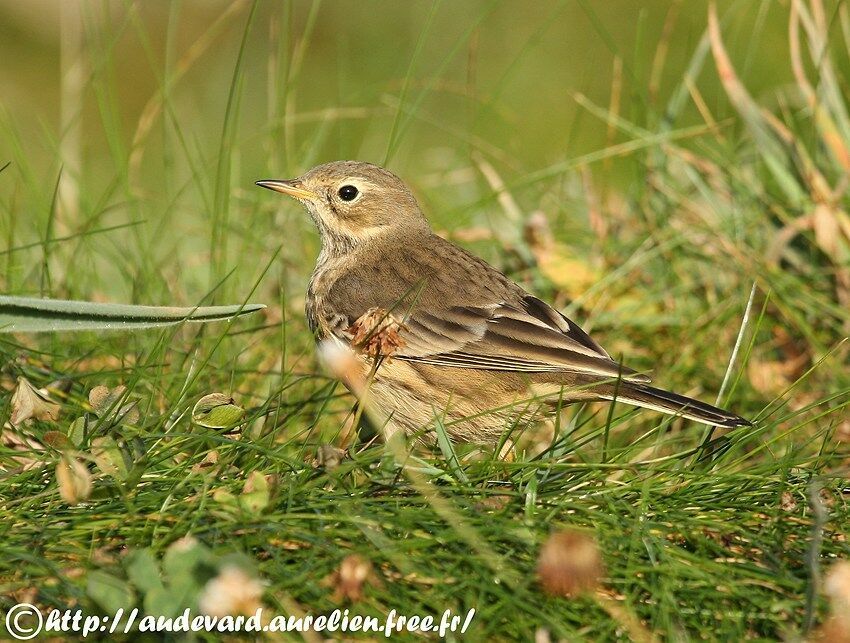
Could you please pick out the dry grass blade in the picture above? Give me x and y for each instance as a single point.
(830, 133)
(153, 107)
(775, 140)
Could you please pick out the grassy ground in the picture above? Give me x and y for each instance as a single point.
(694, 219)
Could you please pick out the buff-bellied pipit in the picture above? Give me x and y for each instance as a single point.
(438, 331)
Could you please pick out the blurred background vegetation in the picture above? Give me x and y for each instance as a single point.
(167, 112)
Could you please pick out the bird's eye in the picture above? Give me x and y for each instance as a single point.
(348, 193)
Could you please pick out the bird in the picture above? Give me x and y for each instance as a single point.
(439, 334)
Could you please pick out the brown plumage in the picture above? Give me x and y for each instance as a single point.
(469, 345)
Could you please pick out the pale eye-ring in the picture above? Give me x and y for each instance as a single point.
(348, 192)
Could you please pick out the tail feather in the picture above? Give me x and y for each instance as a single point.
(673, 404)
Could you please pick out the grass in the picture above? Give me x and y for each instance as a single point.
(703, 200)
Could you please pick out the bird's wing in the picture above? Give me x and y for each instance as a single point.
(526, 336)
(458, 311)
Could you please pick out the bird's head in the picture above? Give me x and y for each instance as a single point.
(353, 203)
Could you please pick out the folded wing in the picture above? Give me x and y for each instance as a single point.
(525, 336)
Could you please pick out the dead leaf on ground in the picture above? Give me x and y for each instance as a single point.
(787, 502)
(492, 503)
(209, 463)
(354, 573)
(25, 446)
(31, 403)
(329, 457)
(768, 377)
(773, 376)
(112, 405)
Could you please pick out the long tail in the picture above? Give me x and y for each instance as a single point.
(673, 404)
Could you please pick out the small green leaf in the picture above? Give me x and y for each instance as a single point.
(77, 430)
(181, 559)
(225, 498)
(108, 457)
(143, 570)
(32, 315)
(169, 602)
(256, 494)
(109, 592)
(448, 451)
(217, 411)
(134, 474)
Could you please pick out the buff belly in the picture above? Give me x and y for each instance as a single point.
(474, 406)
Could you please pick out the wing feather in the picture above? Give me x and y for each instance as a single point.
(506, 337)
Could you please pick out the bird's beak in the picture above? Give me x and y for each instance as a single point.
(291, 187)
